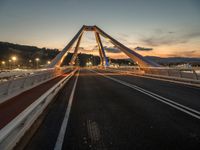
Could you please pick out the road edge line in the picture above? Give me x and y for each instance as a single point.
(61, 135)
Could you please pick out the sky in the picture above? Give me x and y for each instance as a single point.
(164, 28)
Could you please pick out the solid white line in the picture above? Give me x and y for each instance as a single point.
(182, 82)
(169, 102)
(63, 128)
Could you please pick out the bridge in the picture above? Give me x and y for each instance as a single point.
(102, 107)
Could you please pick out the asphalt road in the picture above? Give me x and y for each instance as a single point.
(111, 114)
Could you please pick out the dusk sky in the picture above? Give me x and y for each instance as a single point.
(168, 27)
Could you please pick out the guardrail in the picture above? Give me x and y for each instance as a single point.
(183, 74)
(14, 131)
(16, 86)
(173, 72)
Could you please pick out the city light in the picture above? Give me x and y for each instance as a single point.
(14, 58)
(89, 63)
(48, 62)
(37, 59)
(3, 62)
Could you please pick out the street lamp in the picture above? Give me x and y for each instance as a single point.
(14, 59)
(37, 61)
(3, 63)
(48, 62)
(9, 65)
(30, 63)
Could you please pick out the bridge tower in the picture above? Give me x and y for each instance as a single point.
(139, 59)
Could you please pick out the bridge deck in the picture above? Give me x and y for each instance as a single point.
(11, 108)
(106, 114)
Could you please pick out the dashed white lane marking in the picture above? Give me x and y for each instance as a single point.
(63, 128)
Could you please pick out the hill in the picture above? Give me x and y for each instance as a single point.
(25, 53)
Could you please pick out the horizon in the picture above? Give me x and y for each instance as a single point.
(156, 28)
(96, 53)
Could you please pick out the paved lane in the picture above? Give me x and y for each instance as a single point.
(46, 135)
(183, 94)
(109, 115)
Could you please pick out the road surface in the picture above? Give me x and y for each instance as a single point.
(111, 111)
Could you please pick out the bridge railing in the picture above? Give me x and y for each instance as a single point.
(185, 73)
(175, 73)
(16, 86)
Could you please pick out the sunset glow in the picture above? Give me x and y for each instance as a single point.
(169, 28)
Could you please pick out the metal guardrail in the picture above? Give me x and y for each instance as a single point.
(16, 86)
(184, 73)
(14, 131)
(172, 73)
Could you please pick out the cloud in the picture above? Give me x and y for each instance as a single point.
(123, 35)
(192, 35)
(109, 49)
(143, 49)
(188, 53)
(112, 49)
(81, 48)
(126, 40)
(162, 40)
(169, 38)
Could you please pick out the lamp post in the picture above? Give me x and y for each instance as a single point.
(3, 64)
(14, 59)
(9, 65)
(30, 63)
(37, 61)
